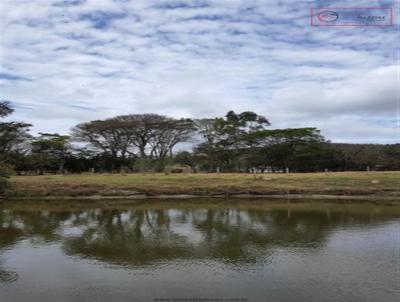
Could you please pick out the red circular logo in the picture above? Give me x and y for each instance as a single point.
(328, 16)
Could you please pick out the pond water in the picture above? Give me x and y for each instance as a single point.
(199, 251)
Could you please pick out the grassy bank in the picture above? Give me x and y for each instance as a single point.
(343, 183)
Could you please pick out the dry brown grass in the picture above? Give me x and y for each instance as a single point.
(341, 183)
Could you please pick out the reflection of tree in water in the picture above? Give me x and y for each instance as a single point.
(234, 235)
(138, 237)
(9, 235)
(142, 237)
(16, 226)
(7, 276)
(229, 235)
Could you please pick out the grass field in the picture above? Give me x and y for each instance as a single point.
(341, 183)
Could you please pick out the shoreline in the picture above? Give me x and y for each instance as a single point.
(301, 197)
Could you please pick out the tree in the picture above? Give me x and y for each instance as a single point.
(142, 130)
(155, 135)
(364, 156)
(168, 134)
(392, 155)
(294, 148)
(146, 142)
(225, 138)
(111, 137)
(149, 136)
(13, 135)
(50, 150)
(5, 109)
(5, 171)
(189, 159)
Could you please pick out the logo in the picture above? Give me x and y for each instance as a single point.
(351, 16)
(328, 16)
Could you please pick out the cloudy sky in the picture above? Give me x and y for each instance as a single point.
(65, 62)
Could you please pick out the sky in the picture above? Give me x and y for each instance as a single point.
(67, 62)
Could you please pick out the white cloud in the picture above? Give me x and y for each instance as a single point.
(198, 59)
(372, 93)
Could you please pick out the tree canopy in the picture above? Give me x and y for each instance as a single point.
(236, 142)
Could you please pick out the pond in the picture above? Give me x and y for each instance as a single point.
(200, 250)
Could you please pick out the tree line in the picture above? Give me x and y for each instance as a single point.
(236, 142)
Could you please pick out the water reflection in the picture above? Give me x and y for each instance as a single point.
(141, 251)
(7, 276)
(139, 237)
